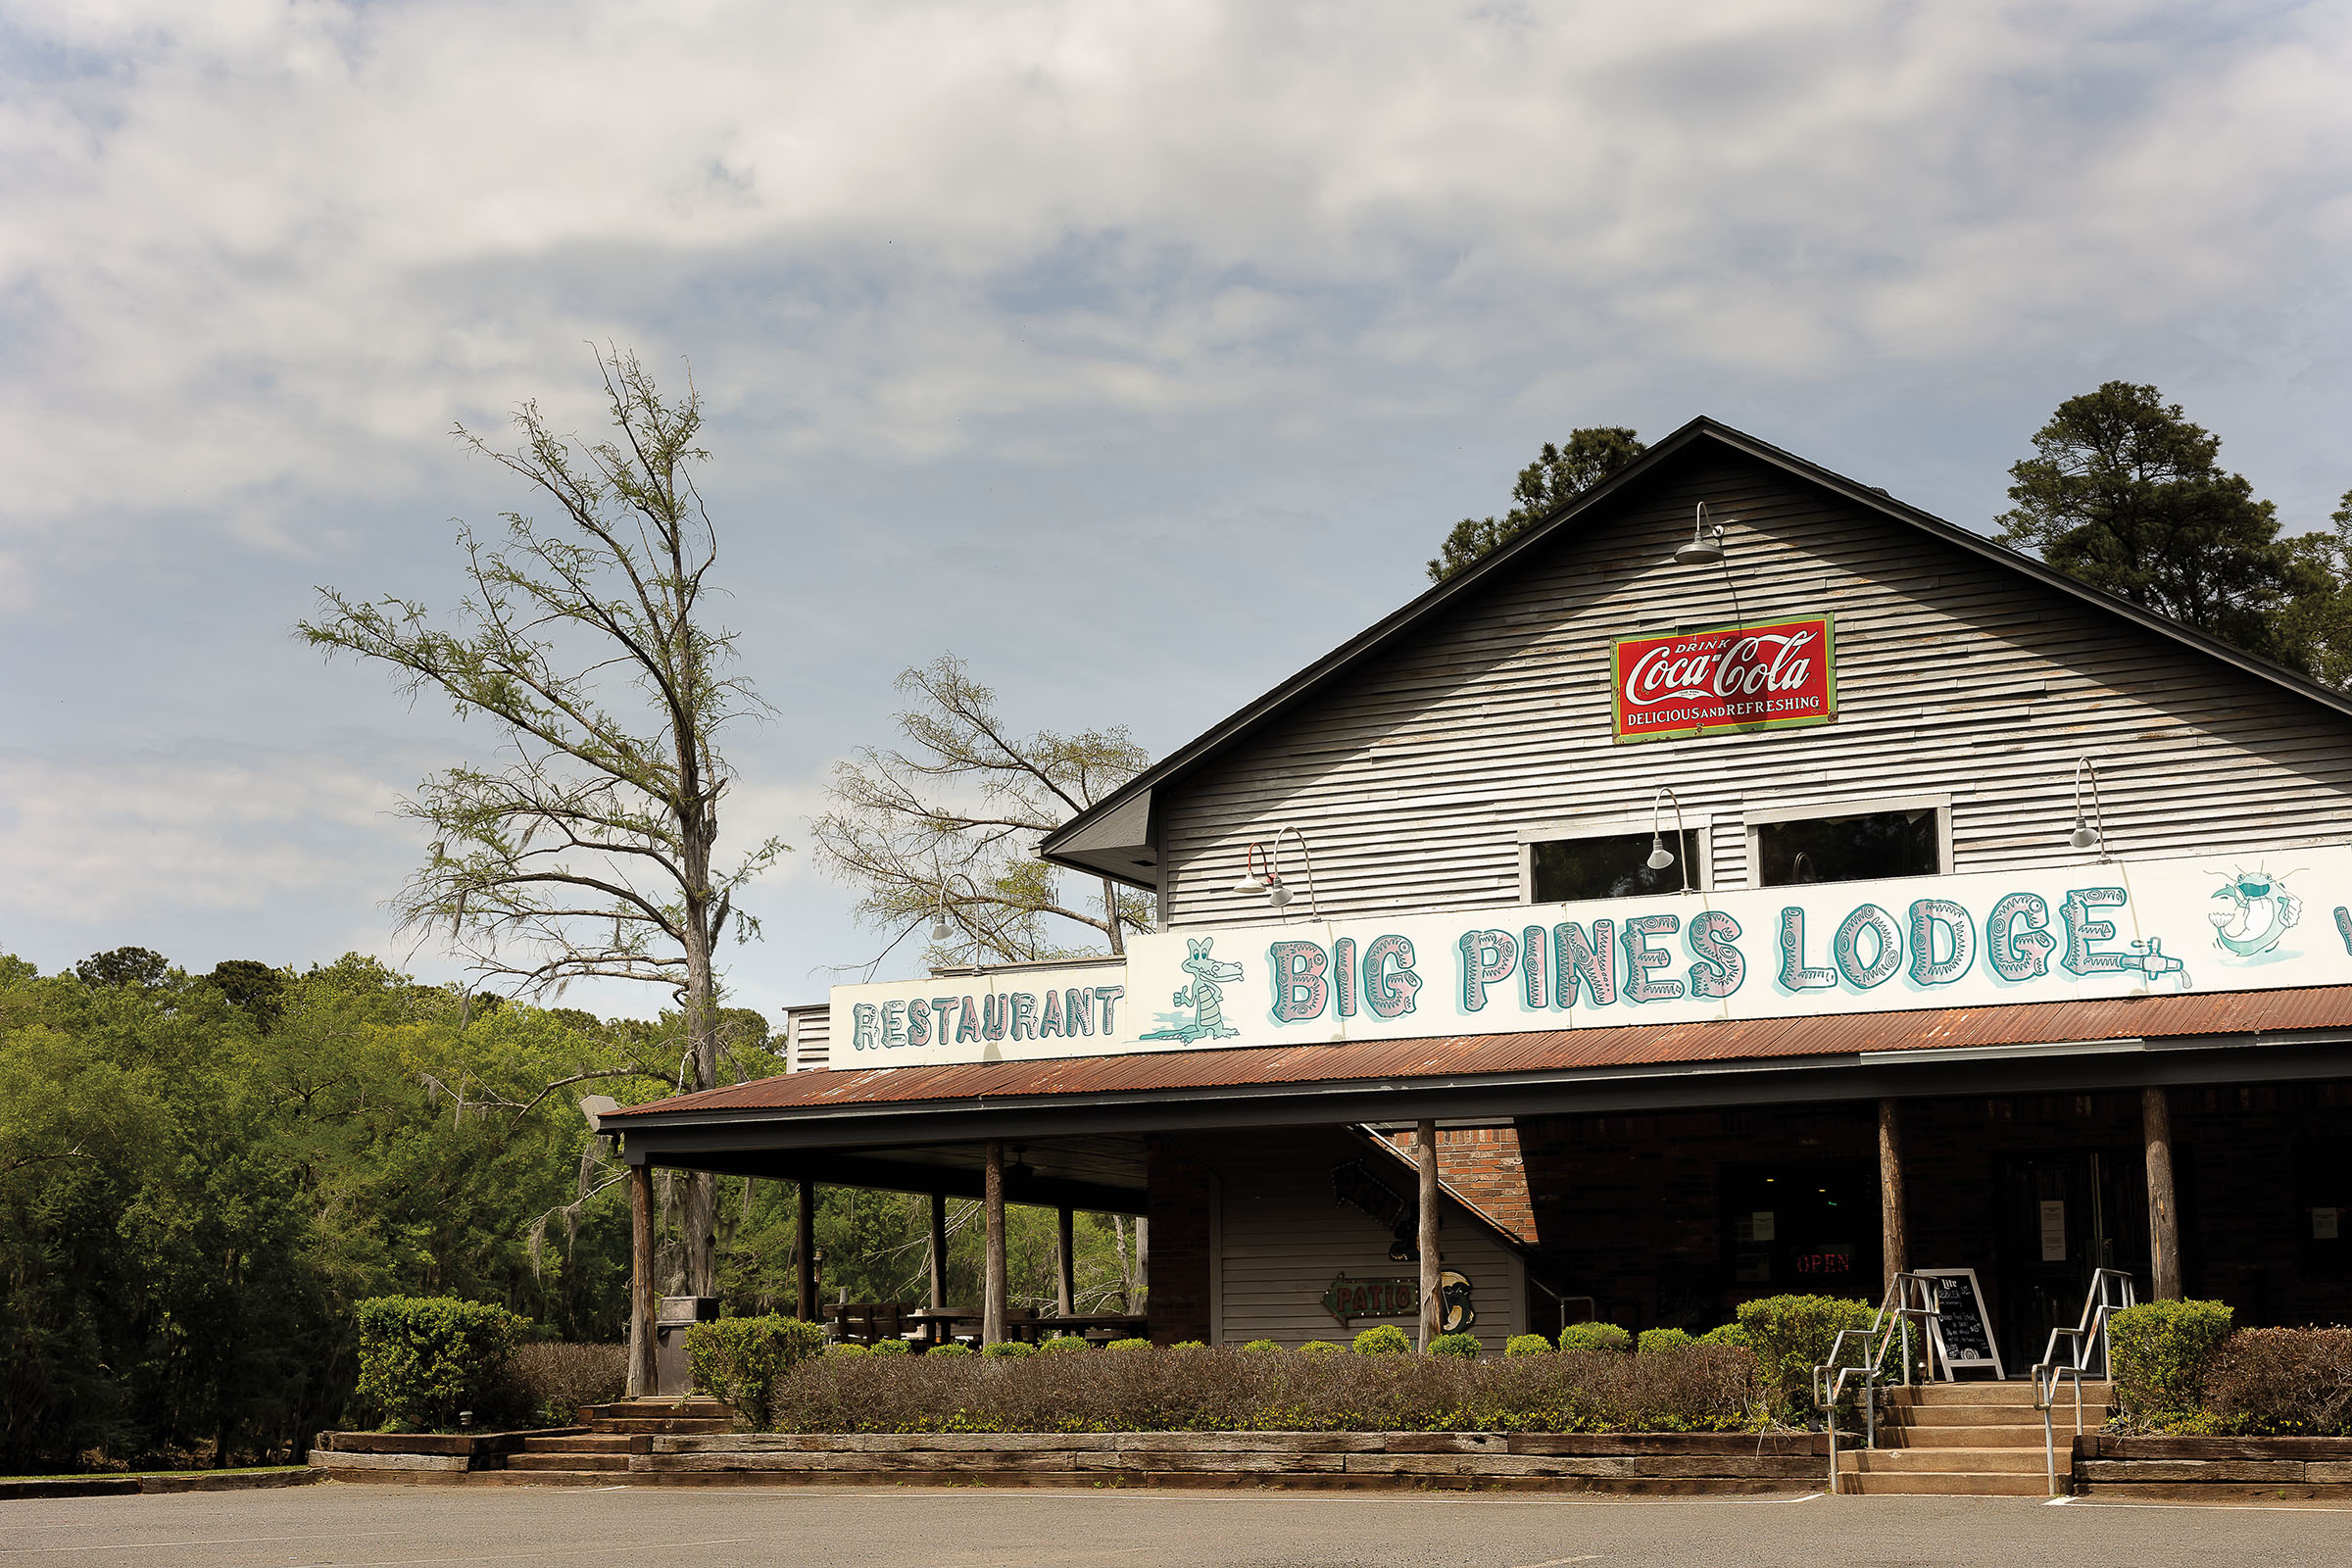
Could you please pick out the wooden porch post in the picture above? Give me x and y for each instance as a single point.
(642, 1380)
(992, 1302)
(939, 1251)
(1066, 1262)
(803, 1247)
(2164, 1219)
(1433, 1306)
(1895, 1226)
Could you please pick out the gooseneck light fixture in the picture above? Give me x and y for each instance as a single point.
(941, 930)
(1660, 856)
(1262, 870)
(1706, 542)
(2089, 832)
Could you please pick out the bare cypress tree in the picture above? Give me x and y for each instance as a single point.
(591, 852)
(945, 829)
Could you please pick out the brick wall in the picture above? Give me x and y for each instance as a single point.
(1483, 1167)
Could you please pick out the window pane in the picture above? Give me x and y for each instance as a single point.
(1848, 849)
(1615, 868)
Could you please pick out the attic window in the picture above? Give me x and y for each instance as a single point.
(1843, 844)
(1613, 865)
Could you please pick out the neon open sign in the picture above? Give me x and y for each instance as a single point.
(1771, 676)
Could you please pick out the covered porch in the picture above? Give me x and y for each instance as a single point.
(1928, 1138)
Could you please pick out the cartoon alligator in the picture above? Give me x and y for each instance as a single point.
(1205, 996)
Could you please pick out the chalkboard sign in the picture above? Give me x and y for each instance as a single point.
(1963, 1329)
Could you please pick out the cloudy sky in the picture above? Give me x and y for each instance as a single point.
(1137, 353)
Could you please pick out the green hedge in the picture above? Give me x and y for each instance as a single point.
(1383, 1339)
(1658, 1342)
(738, 1360)
(1792, 1335)
(425, 1358)
(2160, 1351)
(1595, 1337)
(1462, 1345)
(1527, 1344)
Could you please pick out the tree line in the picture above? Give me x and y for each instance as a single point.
(201, 1174)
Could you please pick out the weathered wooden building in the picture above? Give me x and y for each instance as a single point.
(1726, 912)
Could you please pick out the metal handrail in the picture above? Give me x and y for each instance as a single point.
(2090, 1333)
(1892, 1320)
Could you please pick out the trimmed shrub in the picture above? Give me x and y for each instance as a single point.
(950, 1349)
(1792, 1335)
(738, 1360)
(1461, 1344)
(1727, 1334)
(1661, 1342)
(1128, 1345)
(1189, 1345)
(1008, 1350)
(1064, 1344)
(1320, 1347)
(2160, 1351)
(1595, 1337)
(1383, 1339)
(1703, 1387)
(1255, 1346)
(1527, 1344)
(845, 1350)
(2283, 1382)
(890, 1348)
(423, 1358)
(552, 1380)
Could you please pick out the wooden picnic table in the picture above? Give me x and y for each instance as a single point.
(938, 1324)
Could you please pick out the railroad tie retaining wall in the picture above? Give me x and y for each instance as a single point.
(1465, 1461)
(2214, 1469)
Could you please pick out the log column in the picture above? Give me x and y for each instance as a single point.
(1894, 1225)
(1066, 1263)
(2164, 1217)
(939, 1251)
(1433, 1305)
(804, 1247)
(992, 1303)
(642, 1378)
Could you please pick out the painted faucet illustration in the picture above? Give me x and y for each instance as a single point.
(1205, 996)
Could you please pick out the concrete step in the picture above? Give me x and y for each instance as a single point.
(1918, 1416)
(1963, 1461)
(1955, 1394)
(1961, 1436)
(581, 1442)
(676, 1428)
(1942, 1484)
(568, 1461)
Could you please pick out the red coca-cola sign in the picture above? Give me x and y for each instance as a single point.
(1769, 676)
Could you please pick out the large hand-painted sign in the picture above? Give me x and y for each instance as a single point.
(1769, 676)
(2105, 929)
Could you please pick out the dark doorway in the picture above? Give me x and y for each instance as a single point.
(1803, 1227)
(2062, 1216)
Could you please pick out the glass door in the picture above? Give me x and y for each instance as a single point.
(2064, 1215)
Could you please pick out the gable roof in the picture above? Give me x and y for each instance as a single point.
(1125, 811)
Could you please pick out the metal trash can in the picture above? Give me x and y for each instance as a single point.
(671, 1378)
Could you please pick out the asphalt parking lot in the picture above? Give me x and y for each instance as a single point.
(364, 1527)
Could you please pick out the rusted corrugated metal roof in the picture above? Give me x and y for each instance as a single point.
(2239, 1012)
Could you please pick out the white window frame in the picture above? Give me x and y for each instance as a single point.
(1767, 814)
(1703, 823)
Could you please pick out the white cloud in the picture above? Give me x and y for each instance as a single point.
(265, 245)
(997, 307)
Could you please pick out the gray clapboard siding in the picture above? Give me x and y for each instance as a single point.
(1955, 677)
(1281, 1236)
